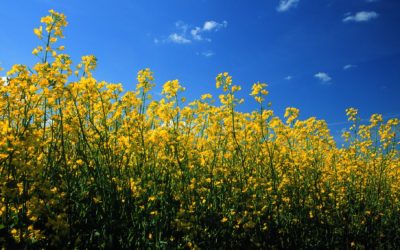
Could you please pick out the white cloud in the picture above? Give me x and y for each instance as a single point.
(186, 34)
(207, 27)
(285, 5)
(288, 78)
(213, 25)
(208, 53)
(182, 26)
(323, 77)
(176, 38)
(362, 16)
(196, 33)
(349, 66)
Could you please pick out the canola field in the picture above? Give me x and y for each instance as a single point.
(87, 165)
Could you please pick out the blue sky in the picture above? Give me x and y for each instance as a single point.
(321, 56)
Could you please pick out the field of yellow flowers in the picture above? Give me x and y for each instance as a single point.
(84, 164)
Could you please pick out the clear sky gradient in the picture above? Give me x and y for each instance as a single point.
(321, 56)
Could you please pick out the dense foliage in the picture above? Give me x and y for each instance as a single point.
(85, 165)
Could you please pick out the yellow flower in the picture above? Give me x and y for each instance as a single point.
(236, 88)
(376, 119)
(47, 20)
(171, 88)
(291, 114)
(352, 114)
(97, 200)
(35, 51)
(258, 90)
(38, 32)
(206, 96)
(53, 39)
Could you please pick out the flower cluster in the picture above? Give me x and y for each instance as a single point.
(84, 164)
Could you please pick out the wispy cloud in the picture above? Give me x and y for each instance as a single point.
(288, 78)
(176, 38)
(323, 77)
(207, 53)
(208, 26)
(187, 33)
(285, 5)
(362, 16)
(213, 25)
(196, 33)
(349, 66)
(182, 26)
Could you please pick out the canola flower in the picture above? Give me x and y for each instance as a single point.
(84, 164)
